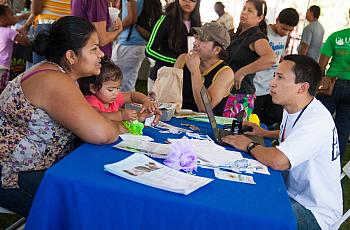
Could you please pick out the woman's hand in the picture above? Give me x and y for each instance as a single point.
(238, 79)
(128, 114)
(157, 113)
(117, 25)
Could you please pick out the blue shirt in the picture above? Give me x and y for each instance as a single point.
(135, 37)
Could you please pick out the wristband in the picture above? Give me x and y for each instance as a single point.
(251, 146)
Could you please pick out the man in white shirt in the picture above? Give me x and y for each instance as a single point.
(308, 151)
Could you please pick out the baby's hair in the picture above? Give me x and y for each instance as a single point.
(109, 72)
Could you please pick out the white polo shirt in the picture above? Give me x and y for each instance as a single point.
(311, 145)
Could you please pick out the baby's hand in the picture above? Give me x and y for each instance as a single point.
(129, 115)
(149, 106)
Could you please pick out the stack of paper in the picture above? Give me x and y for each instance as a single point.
(151, 149)
(144, 170)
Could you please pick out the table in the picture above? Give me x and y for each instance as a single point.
(76, 193)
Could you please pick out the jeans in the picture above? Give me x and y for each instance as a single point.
(339, 103)
(305, 218)
(20, 200)
(39, 29)
(129, 60)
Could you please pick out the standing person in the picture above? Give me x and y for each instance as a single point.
(312, 36)
(169, 36)
(44, 13)
(249, 52)
(97, 13)
(337, 49)
(268, 112)
(129, 51)
(43, 109)
(311, 167)
(205, 66)
(225, 18)
(8, 37)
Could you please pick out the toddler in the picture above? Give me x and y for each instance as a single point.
(104, 95)
(8, 36)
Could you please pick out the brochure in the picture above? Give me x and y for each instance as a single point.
(219, 120)
(152, 149)
(144, 170)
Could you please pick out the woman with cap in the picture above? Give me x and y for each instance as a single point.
(249, 52)
(170, 34)
(205, 66)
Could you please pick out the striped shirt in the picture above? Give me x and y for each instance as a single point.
(53, 10)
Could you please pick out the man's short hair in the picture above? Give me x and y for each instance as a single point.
(315, 10)
(306, 69)
(289, 16)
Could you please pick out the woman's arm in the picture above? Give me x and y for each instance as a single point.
(266, 59)
(160, 35)
(61, 98)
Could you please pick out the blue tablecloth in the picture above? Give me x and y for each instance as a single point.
(77, 193)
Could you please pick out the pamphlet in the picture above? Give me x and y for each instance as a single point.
(233, 176)
(152, 149)
(219, 120)
(144, 170)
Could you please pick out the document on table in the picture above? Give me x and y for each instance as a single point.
(233, 176)
(129, 136)
(151, 149)
(144, 170)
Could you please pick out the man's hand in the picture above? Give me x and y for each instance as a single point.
(192, 61)
(128, 114)
(257, 130)
(238, 141)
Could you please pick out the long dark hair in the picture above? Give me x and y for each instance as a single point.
(175, 15)
(261, 8)
(67, 33)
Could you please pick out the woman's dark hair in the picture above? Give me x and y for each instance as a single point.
(3, 10)
(67, 33)
(175, 15)
(261, 8)
(306, 69)
(109, 72)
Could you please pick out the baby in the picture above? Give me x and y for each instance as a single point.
(104, 95)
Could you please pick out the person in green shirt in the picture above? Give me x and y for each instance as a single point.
(337, 50)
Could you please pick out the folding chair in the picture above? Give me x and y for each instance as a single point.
(19, 224)
(336, 225)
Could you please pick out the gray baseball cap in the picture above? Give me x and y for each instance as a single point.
(213, 31)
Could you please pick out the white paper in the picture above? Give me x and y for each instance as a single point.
(129, 136)
(152, 149)
(233, 177)
(144, 170)
(257, 167)
(149, 120)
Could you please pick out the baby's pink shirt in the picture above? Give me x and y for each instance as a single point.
(113, 107)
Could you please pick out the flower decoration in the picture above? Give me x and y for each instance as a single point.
(182, 157)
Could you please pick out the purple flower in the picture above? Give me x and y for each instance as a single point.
(182, 156)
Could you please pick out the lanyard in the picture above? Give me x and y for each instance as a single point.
(285, 124)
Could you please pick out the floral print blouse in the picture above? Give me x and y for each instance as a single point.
(29, 138)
